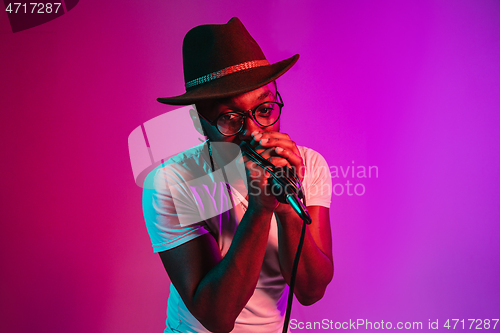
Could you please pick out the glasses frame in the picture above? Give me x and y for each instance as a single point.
(245, 114)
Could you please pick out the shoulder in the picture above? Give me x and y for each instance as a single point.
(193, 160)
(317, 178)
(312, 159)
(187, 165)
(170, 210)
(193, 154)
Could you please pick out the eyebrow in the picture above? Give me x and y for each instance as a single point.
(226, 101)
(261, 97)
(264, 95)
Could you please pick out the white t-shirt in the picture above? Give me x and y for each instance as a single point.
(189, 200)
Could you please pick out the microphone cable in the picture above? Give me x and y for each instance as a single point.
(293, 275)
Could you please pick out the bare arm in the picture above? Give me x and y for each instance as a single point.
(315, 270)
(216, 289)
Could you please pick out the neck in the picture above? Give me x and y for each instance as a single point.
(226, 157)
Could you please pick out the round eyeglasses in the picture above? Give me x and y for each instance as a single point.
(264, 115)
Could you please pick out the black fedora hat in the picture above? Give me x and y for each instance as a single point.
(223, 60)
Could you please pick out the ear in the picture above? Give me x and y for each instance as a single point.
(196, 120)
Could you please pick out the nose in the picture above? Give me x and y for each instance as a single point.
(249, 126)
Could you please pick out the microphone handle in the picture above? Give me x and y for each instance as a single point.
(299, 207)
(291, 197)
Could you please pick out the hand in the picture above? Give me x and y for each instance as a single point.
(281, 151)
(260, 195)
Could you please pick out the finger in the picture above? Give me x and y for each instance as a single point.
(256, 136)
(277, 142)
(295, 160)
(271, 134)
(282, 157)
(259, 135)
(266, 152)
(275, 139)
(279, 161)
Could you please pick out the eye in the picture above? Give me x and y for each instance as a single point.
(227, 117)
(265, 110)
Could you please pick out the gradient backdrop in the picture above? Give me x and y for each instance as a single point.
(411, 87)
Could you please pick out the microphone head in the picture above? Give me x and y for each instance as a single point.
(284, 183)
(284, 179)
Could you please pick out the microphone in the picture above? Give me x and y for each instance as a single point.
(299, 207)
(285, 180)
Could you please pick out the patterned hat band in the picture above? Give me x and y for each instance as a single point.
(228, 70)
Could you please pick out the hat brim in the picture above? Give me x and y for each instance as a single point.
(233, 84)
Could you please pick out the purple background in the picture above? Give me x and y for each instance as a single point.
(412, 87)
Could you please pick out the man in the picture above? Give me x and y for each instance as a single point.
(229, 248)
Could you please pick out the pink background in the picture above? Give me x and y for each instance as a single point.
(412, 87)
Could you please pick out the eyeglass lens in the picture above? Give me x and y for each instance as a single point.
(266, 114)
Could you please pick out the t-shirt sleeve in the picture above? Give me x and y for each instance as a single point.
(318, 181)
(170, 211)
